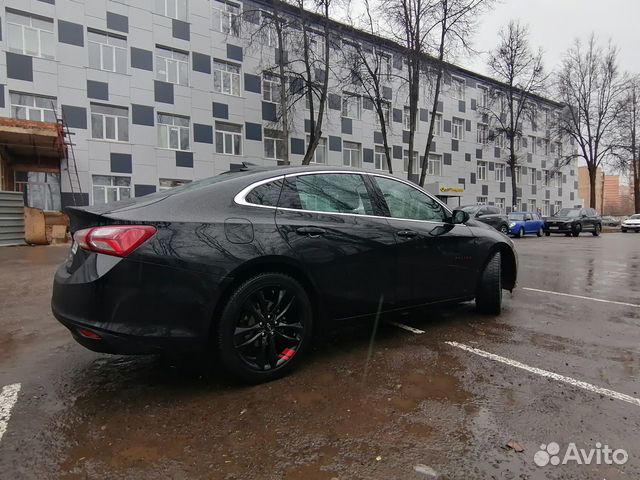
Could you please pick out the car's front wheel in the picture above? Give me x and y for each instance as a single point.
(489, 291)
(504, 228)
(576, 230)
(265, 327)
(540, 232)
(521, 232)
(597, 230)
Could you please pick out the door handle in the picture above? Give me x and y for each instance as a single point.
(407, 234)
(310, 231)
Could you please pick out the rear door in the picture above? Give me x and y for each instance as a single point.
(331, 222)
(435, 259)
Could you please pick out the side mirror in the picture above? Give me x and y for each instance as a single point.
(584, 215)
(459, 216)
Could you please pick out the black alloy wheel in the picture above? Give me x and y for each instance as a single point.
(504, 228)
(576, 230)
(265, 327)
(597, 230)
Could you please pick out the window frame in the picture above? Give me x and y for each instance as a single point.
(351, 150)
(39, 33)
(118, 188)
(31, 108)
(274, 137)
(104, 117)
(222, 76)
(346, 106)
(165, 10)
(233, 18)
(502, 168)
(273, 83)
(322, 146)
(459, 86)
(232, 135)
(172, 127)
(168, 61)
(481, 170)
(102, 46)
(457, 129)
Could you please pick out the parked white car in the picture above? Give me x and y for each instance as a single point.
(632, 223)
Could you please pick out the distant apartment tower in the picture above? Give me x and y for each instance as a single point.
(159, 93)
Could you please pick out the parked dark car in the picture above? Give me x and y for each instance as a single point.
(574, 221)
(490, 215)
(250, 263)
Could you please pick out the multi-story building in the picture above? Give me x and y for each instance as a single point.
(162, 92)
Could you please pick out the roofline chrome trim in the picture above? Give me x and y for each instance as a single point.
(240, 197)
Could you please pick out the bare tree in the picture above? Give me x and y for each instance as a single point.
(591, 86)
(521, 70)
(627, 151)
(455, 22)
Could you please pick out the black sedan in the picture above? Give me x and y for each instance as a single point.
(573, 221)
(249, 263)
(490, 215)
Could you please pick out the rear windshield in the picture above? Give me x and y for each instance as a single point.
(568, 212)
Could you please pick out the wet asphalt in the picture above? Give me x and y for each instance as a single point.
(396, 407)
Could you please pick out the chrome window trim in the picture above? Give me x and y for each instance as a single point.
(240, 197)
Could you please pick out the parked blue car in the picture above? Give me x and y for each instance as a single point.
(522, 223)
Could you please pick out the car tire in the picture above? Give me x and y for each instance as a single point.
(576, 230)
(504, 228)
(624, 230)
(597, 230)
(521, 232)
(547, 234)
(255, 297)
(489, 291)
(540, 232)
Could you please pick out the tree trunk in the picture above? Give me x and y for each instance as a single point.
(513, 163)
(284, 94)
(593, 174)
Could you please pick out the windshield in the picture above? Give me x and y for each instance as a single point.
(516, 216)
(635, 217)
(568, 212)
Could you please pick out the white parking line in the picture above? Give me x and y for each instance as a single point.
(8, 398)
(547, 374)
(407, 328)
(581, 297)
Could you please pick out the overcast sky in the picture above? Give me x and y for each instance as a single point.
(553, 24)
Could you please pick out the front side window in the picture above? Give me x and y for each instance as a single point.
(457, 129)
(320, 155)
(351, 154)
(30, 34)
(172, 8)
(107, 51)
(226, 78)
(435, 165)
(172, 66)
(499, 169)
(273, 145)
(271, 88)
(109, 123)
(482, 170)
(407, 202)
(108, 189)
(226, 17)
(330, 193)
(173, 132)
(228, 138)
(351, 106)
(33, 107)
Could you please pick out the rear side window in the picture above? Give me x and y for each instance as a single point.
(327, 192)
(266, 194)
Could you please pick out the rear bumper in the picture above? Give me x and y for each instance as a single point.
(134, 307)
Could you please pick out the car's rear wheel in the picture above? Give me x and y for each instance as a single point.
(597, 230)
(504, 229)
(576, 230)
(489, 292)
(265, 327)
(540, 232)
(521, 232)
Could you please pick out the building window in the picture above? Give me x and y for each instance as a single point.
(320, 155)
(228, 138)
(482, 170)
(458, 87)
(30, 34)
(226, 78)
(533, 206)
(386, 113)
(271, 88)
(437, 125)
(351, 106)
(483, 133)
(108, 189)
(379, 158)
(316, 46)
(107, 52)
(226, 17)
(457, 129)
(531, 144)
(172, 8)
(532, 176)
(558, 178)
(545, 146)
(385, 66)
(173, 132)
(483, 100)
(40, 189)
(33, 107)
(559, 148)
(546, 208)
(518, 205)
(499, 140)
(406, 118)
(500, 203)
(415, 168)
(434, 167)
(351, 154)
(546, 177)
(109, 123)
(557, 206)
(273, 145)
(518, 173)
(172, 66)
(482, 200)
(499, 170)
(169, 183)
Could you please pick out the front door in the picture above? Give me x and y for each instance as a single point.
(334, 227)
(434, 257)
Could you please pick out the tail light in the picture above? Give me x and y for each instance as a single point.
(117, 240)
